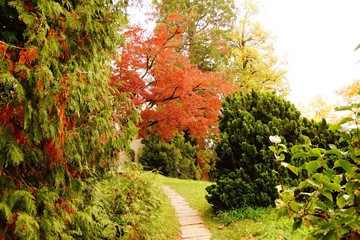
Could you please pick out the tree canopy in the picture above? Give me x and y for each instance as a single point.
(206, 26)
(253, 63)
(174, 93)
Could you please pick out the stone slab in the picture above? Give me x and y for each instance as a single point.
(187, 213)
(192, 231)
(189, 220)
(198, 238)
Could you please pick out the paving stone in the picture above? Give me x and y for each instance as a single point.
(191, 225)
(198, 238)
(189, 220)
(188, 213)
(191, 231)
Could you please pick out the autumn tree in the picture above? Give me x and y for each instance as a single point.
(57, 112)
(205, 31)
(174, 94)
(177, 96)
(252, 61)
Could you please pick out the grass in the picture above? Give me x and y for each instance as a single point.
(244, 223)
(164, 223)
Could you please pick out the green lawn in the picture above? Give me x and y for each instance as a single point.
(263, 224)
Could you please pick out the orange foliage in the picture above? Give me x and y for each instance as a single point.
(175, 94)
(55, 154)
(28, 55)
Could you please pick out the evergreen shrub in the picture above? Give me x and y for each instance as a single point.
(246, 173)
(177, 158)
(57, 114)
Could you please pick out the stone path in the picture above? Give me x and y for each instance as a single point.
(191, 225)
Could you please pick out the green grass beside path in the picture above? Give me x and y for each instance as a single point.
(233, 225)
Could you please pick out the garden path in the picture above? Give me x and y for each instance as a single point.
(191, 225)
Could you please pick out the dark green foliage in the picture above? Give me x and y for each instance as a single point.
(174, 159)
(246, 173)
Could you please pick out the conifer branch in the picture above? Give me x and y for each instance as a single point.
(12, 46)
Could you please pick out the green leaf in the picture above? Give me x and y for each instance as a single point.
(333, 187)
(338, 178)
(295, 206)
(312, 166)
(290, 167)
(301, 154)
(321, 178)
(335, 127)
(281, 157)
(297, 223)
(333, 152)
(313, 183)
(272, 148)
(326, 194)
(342, 199)
(283, 147)
(314, 152)
(287, 195)
(344, 164)
(321, 205)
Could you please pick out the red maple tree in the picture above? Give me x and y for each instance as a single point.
(173, 93)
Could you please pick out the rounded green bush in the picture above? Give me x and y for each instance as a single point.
(246, 173)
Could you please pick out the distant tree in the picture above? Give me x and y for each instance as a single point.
(206, 26)
(57, 112)
(252, 61)
(246, 173)
(176, 159)
(350, 93)
(318, 108)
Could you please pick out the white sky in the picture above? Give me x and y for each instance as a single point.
(317, 38)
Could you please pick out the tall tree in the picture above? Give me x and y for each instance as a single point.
(57, 110)
(177, 96)
(207, 24)
(174, 93)
(252, 62)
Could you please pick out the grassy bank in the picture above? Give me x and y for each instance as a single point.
(237, 224)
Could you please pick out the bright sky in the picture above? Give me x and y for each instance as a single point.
(317, 38)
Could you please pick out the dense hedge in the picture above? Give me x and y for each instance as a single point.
(177, 158)
(246, 173)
